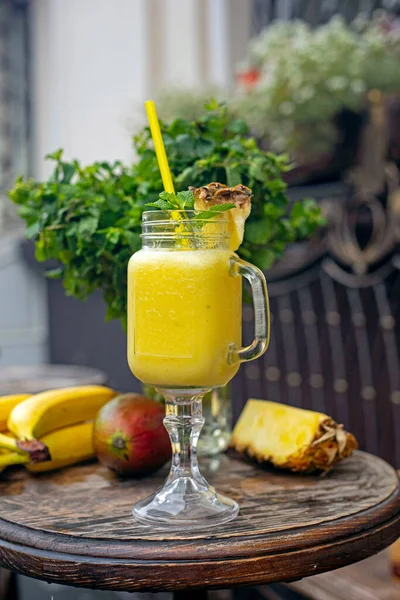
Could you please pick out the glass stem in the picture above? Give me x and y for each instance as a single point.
(184, 421)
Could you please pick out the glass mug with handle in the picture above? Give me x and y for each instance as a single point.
(184, 338)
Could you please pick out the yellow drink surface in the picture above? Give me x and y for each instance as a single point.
(184, 312)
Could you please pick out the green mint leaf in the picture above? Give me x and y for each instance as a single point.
(133, 240)
(113, 234)
(212, 104)
(264, 258)
(167, 201)
(233, 175)
(87, 226)
(161, 204)
(214, 211)
(166, 195)
(54, 273)
(171, 198)
(238, 126)
(68, 171)
(33, 230)
(259, 232)
(185, 144)
(40, 250)
(185, 199)
(259, 168)
(57, 155)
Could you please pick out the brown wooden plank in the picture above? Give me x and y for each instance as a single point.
(75, 527)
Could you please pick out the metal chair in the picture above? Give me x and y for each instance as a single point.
(335, 305)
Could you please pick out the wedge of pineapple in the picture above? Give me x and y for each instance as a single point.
(219, 193)
(291, 438)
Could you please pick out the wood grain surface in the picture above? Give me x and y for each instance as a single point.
(75, 526)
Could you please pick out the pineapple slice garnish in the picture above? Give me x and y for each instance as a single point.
(291, 438)
(218, 193)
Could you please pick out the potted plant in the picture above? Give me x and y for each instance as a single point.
(311, 94)
(88, 219)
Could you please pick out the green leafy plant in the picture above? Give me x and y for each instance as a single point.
(88, 218)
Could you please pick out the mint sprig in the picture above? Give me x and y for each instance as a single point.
(185, 201)
(169, 201)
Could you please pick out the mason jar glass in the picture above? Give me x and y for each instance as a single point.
(184, 339)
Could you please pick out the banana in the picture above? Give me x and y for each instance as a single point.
(7, 403)
(9, 443)
(2, 449)
(67, 446)
(11, 458)
(55, 409)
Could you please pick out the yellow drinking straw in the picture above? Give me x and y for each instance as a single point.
(159, 146)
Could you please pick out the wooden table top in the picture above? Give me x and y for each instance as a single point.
(75, 526)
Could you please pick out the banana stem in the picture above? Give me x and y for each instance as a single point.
(37, 451)
(33, 450)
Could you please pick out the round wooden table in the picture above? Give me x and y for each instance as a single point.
(75, 527)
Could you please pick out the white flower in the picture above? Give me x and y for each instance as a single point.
(286, 108)
(337, 83)
(305, 93)
(358, 86)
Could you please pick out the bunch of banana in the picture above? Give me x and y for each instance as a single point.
(51, 429)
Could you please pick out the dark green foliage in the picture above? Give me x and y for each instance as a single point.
(88, 218)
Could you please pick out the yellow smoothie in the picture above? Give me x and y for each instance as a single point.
(184, 313)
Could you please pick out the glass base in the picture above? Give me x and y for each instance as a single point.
(186, 499)
(186, 502)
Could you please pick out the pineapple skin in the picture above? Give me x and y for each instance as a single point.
(291, 438)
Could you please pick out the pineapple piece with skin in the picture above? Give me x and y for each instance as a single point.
(291, 438)
(219, 193)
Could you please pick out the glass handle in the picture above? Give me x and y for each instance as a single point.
(261, 311)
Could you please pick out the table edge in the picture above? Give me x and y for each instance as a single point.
(162, 575)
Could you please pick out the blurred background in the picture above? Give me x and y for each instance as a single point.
(74, 74)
